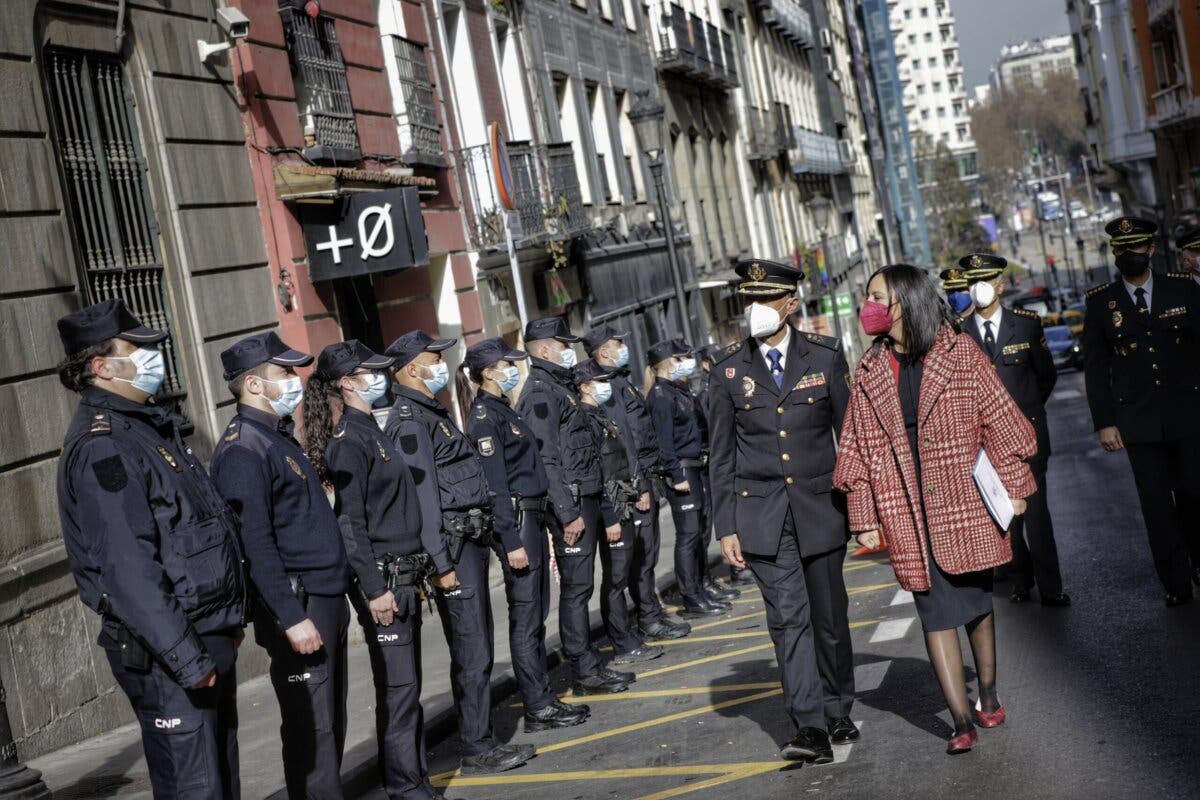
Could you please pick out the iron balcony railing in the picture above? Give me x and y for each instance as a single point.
(544, 190)
(817, 153)
(790, 19)
(762, 141)
(688, 45)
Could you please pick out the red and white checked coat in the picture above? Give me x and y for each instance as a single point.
(962, 406)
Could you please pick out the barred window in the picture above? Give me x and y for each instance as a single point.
(420, 136)
(108, 209)
(322, 92)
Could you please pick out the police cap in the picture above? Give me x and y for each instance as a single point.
(413, 343)
(953, 280)
(982, 266)
(549, 328)
(1130, 231)
(489, 352)
(342, 358)
(665, 349)
(762, 278)
(261, 348)
(597, 336)
(591, 370)
(683, 348)
(102, 321)
(1188, 238)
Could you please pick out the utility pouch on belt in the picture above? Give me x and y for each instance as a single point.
(134, 655)
(475, 525)
(401, 571)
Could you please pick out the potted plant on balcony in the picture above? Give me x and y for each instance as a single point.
(556, 213)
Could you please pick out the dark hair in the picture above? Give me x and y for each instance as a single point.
(75, 371)
(239, 383)
(318, 418)
(923, 311)
(476, 374)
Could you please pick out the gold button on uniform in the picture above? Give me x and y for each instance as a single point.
(779, 410)
(1154, 366)
(745, 493)
(790, 480)
(747, 406)
(786, 457)
(810, 401)
(1151, 349)
(783, 434)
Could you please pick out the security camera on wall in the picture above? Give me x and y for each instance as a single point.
(234, 24)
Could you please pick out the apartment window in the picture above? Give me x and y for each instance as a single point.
(912, 38)
(628, 147)
(606, 10)
(1163, 55)
(928, 36)
(924, 11)
(937, 86)
(942, 111)
(108, 210)
(420, 132)
(924, 113)
(920, 88)
(932, 62)
(916, 63)
(322, 92)
(908, 13)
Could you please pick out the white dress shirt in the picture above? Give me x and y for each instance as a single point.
(1148, 286)
(994, 319)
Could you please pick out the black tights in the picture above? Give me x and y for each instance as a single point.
(945, 655)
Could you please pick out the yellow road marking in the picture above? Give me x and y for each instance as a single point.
(718, 638)
(872, 588)
(730, 687)
(865, 565)
(723, 772)
(747, 770)
(717, 622)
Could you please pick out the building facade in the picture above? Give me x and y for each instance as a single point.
(1032, 62)
(1116, 100)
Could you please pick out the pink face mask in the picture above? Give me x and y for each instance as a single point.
(876, 318)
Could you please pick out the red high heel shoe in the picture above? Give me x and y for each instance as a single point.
(989, 719)
(962, 743)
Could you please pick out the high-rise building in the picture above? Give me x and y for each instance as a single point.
(1031, 63)
(935, 99)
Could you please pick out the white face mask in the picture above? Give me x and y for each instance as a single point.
(622, 356)
(440, 376)
(601, 392)
(376, 387)
(686, 368)
(290, 392)
(566, 357)
(763, 320)
(151, 369)
(983, 294)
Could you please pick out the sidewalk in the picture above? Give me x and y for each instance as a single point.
(112, 765)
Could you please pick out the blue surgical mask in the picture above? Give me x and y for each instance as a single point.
(290, 392)
(959, 301)
(376, 387)
(566, 358)
(602, 392)
(151, 369)
(512, 376)
(440, 377)
(622, 358)
(684, 368)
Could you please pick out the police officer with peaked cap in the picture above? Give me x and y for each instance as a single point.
(627, 407)
(135, 503)
(1012, 339)
(1188, 245)
(956, 286)
(518, 480)
(1140, 338)
(296, 558)
(550, 405)
(776, 407)
(619, 494)
(450, 483)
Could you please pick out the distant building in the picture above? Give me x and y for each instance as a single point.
(981, 95)
(1031, 63)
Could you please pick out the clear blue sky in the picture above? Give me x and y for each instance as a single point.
(984, 26)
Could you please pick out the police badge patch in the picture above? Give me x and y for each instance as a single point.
(486, 447)
(295, 467)
(516, 431)
(730, 372)
(444, 428)
(747, 386)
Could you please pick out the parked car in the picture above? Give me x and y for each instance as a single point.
(1065, 348)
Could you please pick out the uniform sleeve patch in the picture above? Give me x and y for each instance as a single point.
(541, 410)
(486, 446)
(110, 474)
(408, 443)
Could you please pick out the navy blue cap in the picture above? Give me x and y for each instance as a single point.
(710, 352)
(1188, 238)
(1130, 231)
(597, 336)
(683, 347)
(261, 348)
(413, 343)
(591, 370)
(489, 352)
(549, 328)
(762, 278)
(342, 358)
(97, 323)
(982, 266)
(665, 349)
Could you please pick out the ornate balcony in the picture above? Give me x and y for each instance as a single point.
(762, 144)
(816, 154)
(790, 19)
(692, 47)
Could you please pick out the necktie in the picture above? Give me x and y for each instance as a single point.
(1140, 294)
(988, 339)
(776, 367)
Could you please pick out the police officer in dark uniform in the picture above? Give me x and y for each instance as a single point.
(1013, 340)
(518, 481)
(627, 408)
(957, 289)
(1142, 371)
(1188, 245)
(775, 410)
(450, 478)
(380, 518)
(550, 405)
(135, 505)
(297, 561)
(673, 411)
(620, 493)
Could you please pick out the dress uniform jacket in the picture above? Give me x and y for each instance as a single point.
(772, 449)
(377, 505)
(549, 405)
(510, 459)
(1142, 370)
(152, 544)
(673, 409)
(1024, 365)
(447, 473)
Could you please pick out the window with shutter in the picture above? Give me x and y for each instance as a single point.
(322, 91)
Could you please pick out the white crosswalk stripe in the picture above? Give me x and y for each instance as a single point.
(869, 677)
(891, 629)
(902, 597)
(841, 752)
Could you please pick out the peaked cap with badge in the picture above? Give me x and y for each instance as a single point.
(982, 267)
(1130, 231)
(763, 278)
(953, 280)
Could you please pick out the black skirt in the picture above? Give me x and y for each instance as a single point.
(952, 600)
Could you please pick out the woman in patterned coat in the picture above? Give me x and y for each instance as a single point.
(923, 402)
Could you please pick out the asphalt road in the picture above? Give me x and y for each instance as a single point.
(1102, 696)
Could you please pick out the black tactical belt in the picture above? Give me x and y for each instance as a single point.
(531, 503)
(694, 462)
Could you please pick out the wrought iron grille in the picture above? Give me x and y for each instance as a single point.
(419, 119)
(563, 182)
(109, 211)
(322, 92)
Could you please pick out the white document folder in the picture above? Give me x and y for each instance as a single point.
(992, 490)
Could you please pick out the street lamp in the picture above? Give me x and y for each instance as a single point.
(647, 115)
(820, 208)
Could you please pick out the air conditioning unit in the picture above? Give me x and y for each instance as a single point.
(826, 38)
(847, 152)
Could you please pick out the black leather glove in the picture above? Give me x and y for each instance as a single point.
(407, 601)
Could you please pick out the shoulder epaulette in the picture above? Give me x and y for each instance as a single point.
(233, 431)
(1098, 289)
(404, 411)
(1025, 312)
(736, 347)
(1187, 276)
(479, 412)
(832, 342)
(101, 424)
(339, 430)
